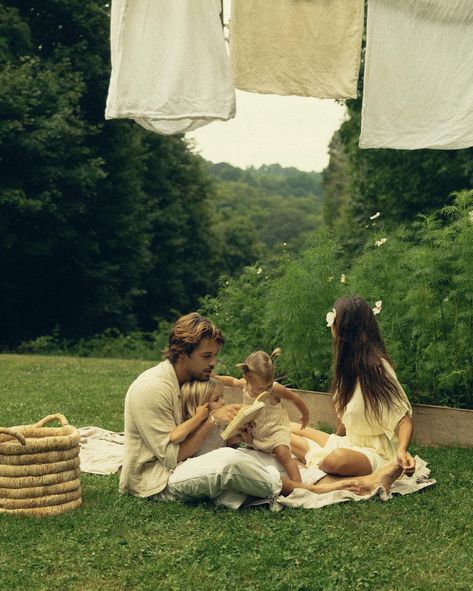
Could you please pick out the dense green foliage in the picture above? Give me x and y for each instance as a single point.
(422, 273)
(401, 184)
(115, 543)
(270, 207)
(94, 214)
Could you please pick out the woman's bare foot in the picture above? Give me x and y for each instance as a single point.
(383, 477)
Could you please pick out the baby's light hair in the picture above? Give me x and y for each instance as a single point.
(196, 393)
(260, 364)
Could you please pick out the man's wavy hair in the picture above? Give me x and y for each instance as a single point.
(187, 333)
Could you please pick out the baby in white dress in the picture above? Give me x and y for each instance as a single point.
(271, 430)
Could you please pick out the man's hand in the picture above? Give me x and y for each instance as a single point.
(406, 462)
(243, 435)
(226, 413)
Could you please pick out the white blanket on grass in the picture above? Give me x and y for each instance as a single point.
(101, 452)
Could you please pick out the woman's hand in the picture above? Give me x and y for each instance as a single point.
(406, 462)
(202, 412)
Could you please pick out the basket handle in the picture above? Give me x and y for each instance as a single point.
(13, 433)
(57, 417)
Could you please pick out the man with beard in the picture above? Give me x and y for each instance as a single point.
(156, 467)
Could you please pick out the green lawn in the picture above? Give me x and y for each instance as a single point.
(418, 542)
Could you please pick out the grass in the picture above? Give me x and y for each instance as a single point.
(419, 542)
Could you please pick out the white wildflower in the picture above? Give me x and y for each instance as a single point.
(259, 270)
(343, 278)
(380, 241)
(377, 307)
(330, 318)
(376, 215)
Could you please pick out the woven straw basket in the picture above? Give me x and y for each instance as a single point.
(39, 468)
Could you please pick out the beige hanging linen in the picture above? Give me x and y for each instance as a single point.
(39, 468)
(297, 47)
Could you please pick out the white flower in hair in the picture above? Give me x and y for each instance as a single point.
(380, 242)
(330, 318)
(377, 307)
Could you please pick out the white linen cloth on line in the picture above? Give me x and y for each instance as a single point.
(306, 48)
(418, 82)
(170, 68)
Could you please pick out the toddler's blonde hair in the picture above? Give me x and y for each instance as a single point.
(260, 364)
(196, 393)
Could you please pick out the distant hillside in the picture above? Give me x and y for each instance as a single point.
(272, 205)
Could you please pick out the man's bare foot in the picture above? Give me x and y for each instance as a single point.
(383, 477)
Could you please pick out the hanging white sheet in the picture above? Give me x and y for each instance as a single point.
(170, 68)
(297, 47)
(418, 85)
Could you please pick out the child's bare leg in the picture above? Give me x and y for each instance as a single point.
(346, 462)
(283, 456)
(318, 436)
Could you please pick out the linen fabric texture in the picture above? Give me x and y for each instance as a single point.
(297, 47)
(170, 68)
(418, 81)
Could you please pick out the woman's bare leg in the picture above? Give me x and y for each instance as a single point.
(346, 462)
(318, 436)
(362, 485)
(299, 446)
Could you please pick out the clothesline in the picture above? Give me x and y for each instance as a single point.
(172, 73)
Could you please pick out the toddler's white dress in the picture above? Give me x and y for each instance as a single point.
(271, 426)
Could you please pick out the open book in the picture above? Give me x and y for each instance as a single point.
(244, 415)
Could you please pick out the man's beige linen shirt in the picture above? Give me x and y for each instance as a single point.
(152, 410)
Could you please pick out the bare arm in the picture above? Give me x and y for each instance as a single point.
(194, 440)
(180, 432)
(283, 392)
(341, 429)
(230, 381)
(404, 432)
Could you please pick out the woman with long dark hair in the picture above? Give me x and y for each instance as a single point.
(375, 426)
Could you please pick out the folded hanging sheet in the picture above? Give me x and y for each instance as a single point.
(418, 86)
(297, 47)
(170, 68)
